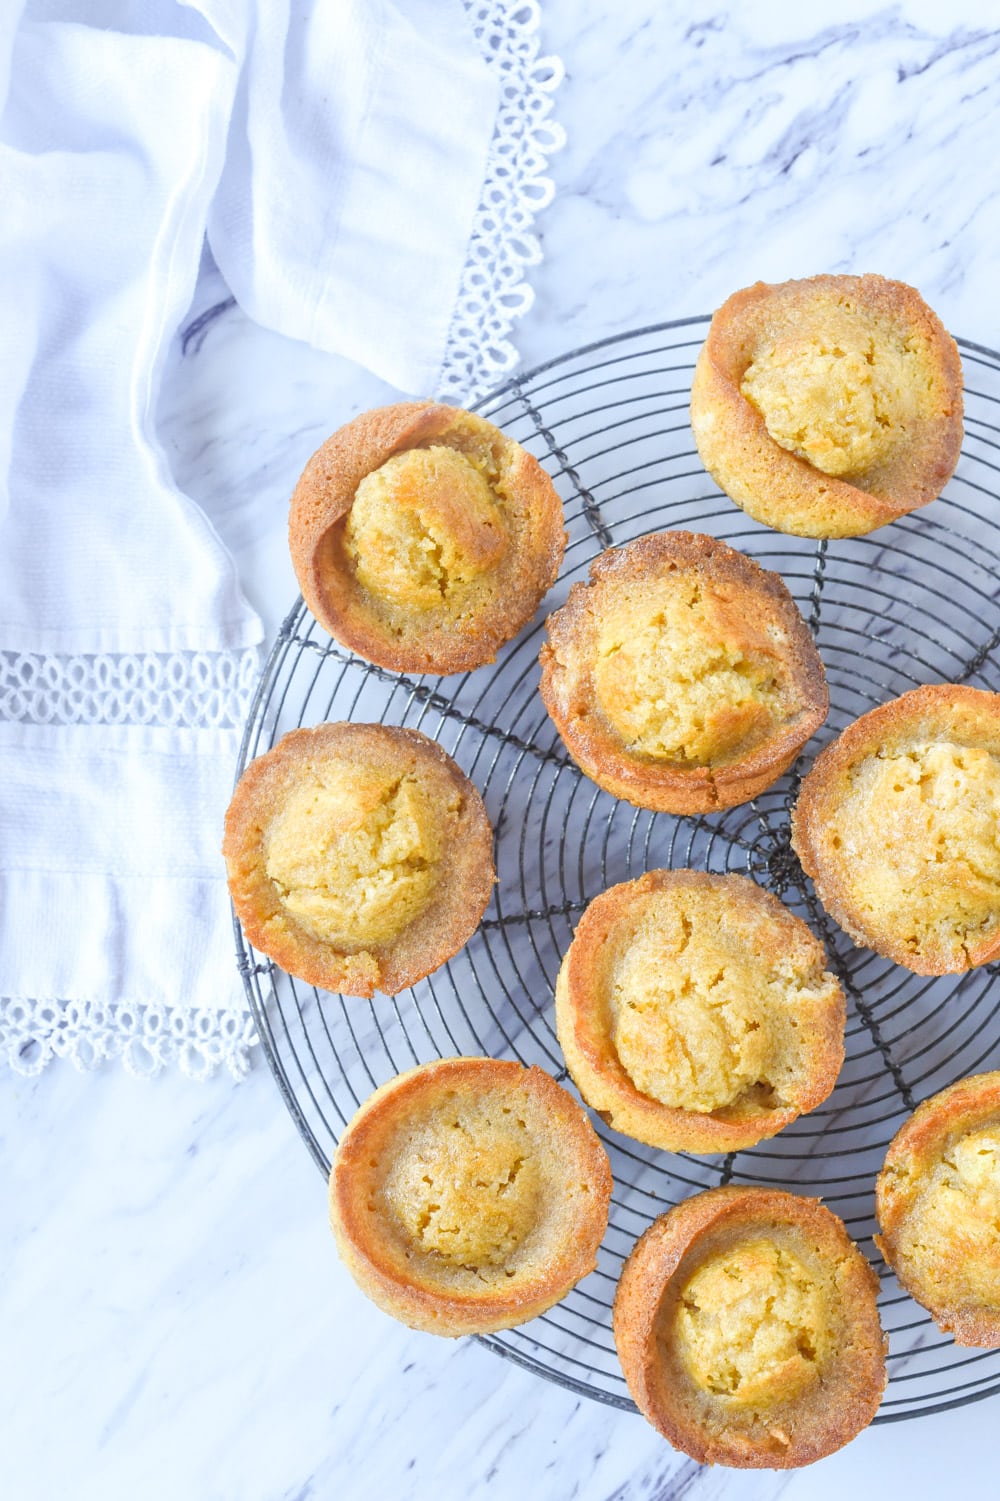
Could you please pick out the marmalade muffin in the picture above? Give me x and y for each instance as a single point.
(695, 1012)
(469, 1195)
(360, 856)
(830, 406)
(747, 1329)
(898, 823)
(937, 1200)
(682, 677)
(423, 538)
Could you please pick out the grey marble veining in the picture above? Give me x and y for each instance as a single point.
(768, 141)
(175, 1322)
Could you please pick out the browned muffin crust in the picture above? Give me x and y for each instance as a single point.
(682, 677)
(423, 537)
(360, 856)
(469, 1195)
(695, 1012)
(898, 823)
(937, 1199)
(829, 406)
(747, 1329)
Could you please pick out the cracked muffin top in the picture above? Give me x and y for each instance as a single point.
(682, 677)
(359, 856)
(937, 1199)
(829, 406)
(424, 538)
(747, 1329)
(898, 823)
(696, 1013)
(469, 1195)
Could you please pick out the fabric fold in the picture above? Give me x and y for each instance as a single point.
(343, 227)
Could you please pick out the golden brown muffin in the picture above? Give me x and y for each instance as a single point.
(898, 823)
(424, 538)
(695, 1012)
(360, 856)
(829, 406)
(937, 1199)
(682, 677)
(469, 1195)
(748, 1332)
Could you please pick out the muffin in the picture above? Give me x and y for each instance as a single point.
(682, 677)
(937, 1199)
(748, 1332)
(359, 856)
(695, 1012)
(830, 406)
(423, 538)
(898, 823)
(469, 1195)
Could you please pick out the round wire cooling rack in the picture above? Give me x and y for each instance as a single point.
(915, 602)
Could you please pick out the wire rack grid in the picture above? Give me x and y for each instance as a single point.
(915, 602)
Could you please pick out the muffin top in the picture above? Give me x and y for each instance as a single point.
(469, 1194)
(938, 1206)
(751, 1324)
(682, 677)
(354, 850)
(747, 1329)
(828, 406)
(898, 823)
(423, 538)
(359, 856)
(695, 1011)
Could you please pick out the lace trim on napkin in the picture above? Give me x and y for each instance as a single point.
(493, 290)
(202, 689)
(172, 689)
(145, 1038)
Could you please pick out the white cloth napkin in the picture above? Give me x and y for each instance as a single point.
(336, 154)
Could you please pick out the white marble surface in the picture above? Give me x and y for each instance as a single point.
(174, 1320)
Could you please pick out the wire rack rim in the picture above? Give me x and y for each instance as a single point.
(525, 377)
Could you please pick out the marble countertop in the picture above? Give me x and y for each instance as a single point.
(175, 1321)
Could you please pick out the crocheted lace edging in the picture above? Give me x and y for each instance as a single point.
(493, 290)
(166, 689)
(146, 1039)
(208, 690)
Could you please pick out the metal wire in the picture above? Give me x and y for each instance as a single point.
(915, 602)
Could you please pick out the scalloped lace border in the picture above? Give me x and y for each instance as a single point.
(493, 290)
(169, 690)
(146, 1038)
